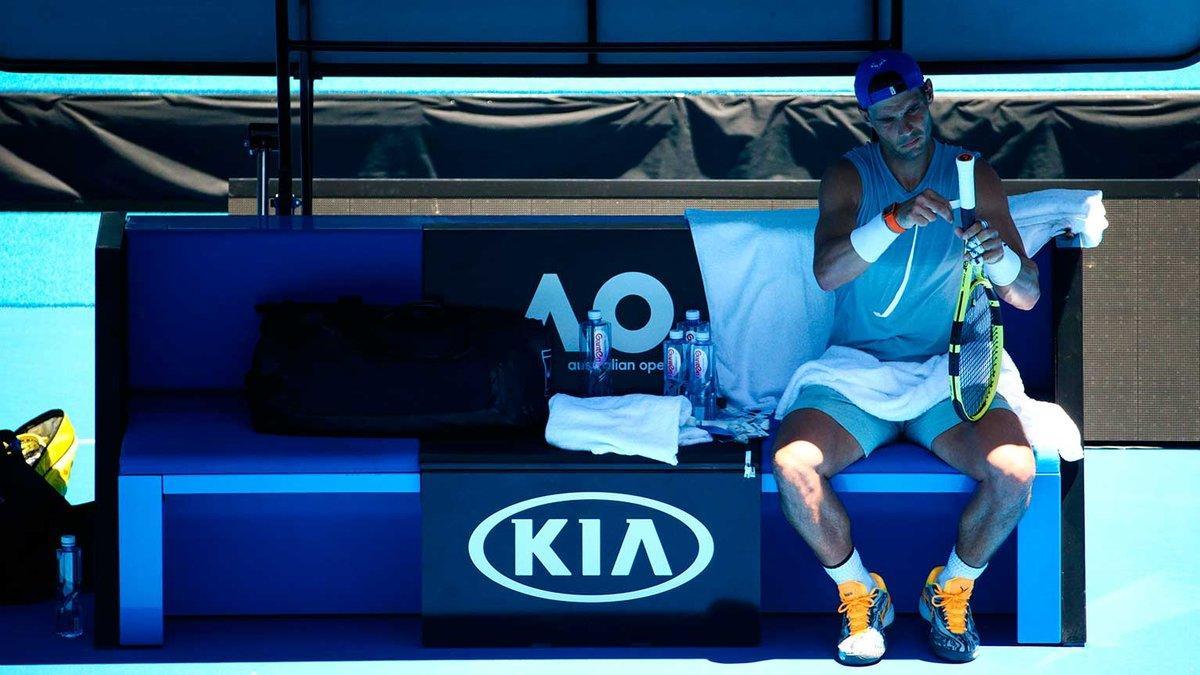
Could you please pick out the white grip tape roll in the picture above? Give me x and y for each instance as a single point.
(966, 181)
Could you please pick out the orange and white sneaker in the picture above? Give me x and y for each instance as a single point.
(865, 614)
(952, 632)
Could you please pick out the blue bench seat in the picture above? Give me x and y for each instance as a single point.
(203, 444)
(899, 467)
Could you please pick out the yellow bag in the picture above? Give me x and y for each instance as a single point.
(48, 444)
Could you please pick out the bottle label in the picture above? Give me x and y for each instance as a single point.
(689, 336)
(599, 348)
(674, 362)
(700, 363)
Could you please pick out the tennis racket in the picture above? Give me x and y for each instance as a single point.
(977, 334)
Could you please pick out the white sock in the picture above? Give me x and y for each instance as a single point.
(956, 568)
(851, 570)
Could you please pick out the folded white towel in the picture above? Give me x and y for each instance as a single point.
(690, 434)
(1045, 214)
(899, 391)
(1055, 202)
(636, 424)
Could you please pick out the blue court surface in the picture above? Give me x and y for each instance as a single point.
(1142, 616)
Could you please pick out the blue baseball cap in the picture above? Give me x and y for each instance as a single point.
(903, 66)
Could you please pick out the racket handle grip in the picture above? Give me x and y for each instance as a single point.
(965, 163)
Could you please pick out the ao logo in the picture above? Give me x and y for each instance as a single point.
(550, 300)
(640, 534)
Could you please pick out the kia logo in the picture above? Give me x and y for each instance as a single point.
(640, 535)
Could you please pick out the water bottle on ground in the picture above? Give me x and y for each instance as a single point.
(595, 342)
(674, 365)
(702, 385)
(69, 618)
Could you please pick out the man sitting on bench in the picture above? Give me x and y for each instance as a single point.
(870, 198)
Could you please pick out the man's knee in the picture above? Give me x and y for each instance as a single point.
(799, 463)
(1010, 470)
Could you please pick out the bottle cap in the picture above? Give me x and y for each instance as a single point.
(702, 334)
(675, 334)
(692, 315)
(68, 540)
(593, 315)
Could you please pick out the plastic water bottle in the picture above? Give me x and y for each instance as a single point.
(691, 325)
(674, 369)
(702, 385)
(69, 619)
(595, 342)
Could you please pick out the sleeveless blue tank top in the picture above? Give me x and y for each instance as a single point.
(919, 326)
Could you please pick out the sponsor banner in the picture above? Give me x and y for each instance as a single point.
(600, 552)
(641, 273)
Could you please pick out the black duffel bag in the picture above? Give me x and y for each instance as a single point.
(422, 369)
(32, 517)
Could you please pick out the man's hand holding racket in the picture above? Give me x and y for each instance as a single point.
(983, 244)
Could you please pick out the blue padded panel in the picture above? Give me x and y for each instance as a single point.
(1039, 560)
(292, 554)
(1029, 336)
(289, 483)
(194, 281)
(211, 434)
(139, 499)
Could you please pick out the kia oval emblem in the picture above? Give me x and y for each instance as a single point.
(704, 541)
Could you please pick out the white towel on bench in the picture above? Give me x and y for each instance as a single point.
(1044, 214)
(636, 424)
(899, 391)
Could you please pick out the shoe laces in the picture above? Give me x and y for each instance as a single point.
(857, 608)
(953, 603)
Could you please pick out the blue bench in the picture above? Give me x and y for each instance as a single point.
(178, 445)
(202, 501)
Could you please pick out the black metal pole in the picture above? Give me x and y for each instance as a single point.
(283, 99)
(517, 47)
(593, 31)
(112, 317)
(263, 201)
(896, 39)
(1067, 313)
(306, 113)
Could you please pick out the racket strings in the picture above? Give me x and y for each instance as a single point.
(975, 365)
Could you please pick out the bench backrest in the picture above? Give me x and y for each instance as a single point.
(194, 281)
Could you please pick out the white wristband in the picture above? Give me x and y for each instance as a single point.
(1006, 270)
(872, 239)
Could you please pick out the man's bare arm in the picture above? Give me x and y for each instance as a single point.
(992, 206)
(835, 262)
(838, 258)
